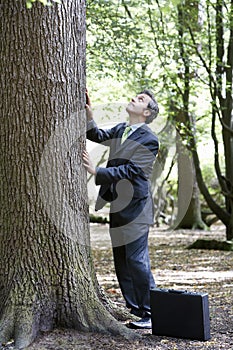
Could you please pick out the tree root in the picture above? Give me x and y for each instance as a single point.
(20, 324)
(6, 326)
(212, 244)
(109, 325)
(24, 323)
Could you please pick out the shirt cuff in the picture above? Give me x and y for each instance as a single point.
(90, 124)
(98, 176)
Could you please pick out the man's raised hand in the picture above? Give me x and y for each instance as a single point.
(89, 112)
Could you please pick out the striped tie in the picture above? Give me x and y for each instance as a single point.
(125, 134)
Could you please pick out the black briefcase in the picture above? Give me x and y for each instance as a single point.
(180, 314)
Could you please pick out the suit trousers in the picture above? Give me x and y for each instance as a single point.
(132, 266)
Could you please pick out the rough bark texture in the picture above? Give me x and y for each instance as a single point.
(46, 272)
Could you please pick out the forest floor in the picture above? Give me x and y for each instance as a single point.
(174, 267)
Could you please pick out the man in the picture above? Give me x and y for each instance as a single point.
(125, 183)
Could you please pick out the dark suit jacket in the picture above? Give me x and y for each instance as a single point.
(125, 182)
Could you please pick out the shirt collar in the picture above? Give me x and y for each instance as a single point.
(136, 126)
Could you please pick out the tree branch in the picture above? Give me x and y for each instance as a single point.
(127, 9)
(221, 179)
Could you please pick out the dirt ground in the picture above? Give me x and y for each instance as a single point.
(173, 266)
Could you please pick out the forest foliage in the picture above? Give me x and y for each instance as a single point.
(29, 3)
(183, 51)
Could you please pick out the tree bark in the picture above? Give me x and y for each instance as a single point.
(46, 272)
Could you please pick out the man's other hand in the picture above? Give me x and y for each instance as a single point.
(88, 163)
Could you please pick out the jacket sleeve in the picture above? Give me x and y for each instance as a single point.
(99, 135)
(140, 164)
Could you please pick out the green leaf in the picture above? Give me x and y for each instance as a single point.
(28, 5)
(44, 2)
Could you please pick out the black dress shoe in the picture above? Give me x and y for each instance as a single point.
(137, 313)
(144, 323)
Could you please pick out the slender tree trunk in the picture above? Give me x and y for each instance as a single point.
(158, 192)
(46, 272)
(189, 209)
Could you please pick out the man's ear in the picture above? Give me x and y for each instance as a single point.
(146, 112)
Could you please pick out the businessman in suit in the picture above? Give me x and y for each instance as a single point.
(125, 183)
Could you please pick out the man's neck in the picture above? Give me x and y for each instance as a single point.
(137, 120)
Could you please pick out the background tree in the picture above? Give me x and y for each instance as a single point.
(187, 216)
(46, 272)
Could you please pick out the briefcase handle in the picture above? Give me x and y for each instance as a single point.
(177, 291)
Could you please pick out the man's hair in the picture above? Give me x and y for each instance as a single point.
(152, 106)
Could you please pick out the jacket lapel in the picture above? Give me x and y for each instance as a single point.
(135, 136)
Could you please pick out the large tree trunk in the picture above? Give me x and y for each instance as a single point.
(46, 272)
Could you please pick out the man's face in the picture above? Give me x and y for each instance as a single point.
(138, 105)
